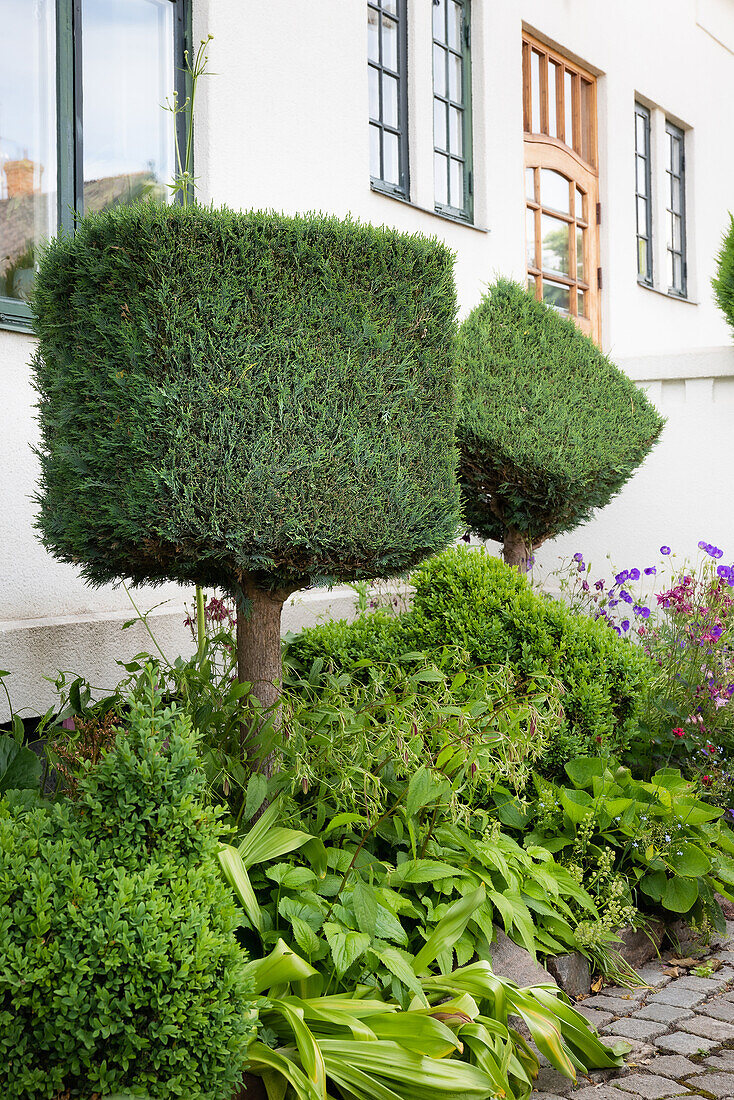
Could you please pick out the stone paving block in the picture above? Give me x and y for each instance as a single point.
(664, 1014)
(653, 975)
(675, 994)
(724, 1059)
(615, 1005)
(637, 1029)
(708, 985)
(681, 1042)
(639, 1051)
(603, 1092)
(718, 1084)
(708, 1028)
(652, 1087)
(624, 994)
(673, 1065)
(550, 1080)
(594, 1016)
(719, 1008)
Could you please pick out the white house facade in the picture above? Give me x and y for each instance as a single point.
(584, 147)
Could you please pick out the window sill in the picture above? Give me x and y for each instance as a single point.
(15, 316)
(455, 220)
(667, 294)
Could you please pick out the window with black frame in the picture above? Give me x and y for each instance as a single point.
(643, 177)
(452, 107)
(387, 36)
(676, 210)
(83, 84)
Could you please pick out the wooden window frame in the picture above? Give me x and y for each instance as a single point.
(577, 162)
(16, 314)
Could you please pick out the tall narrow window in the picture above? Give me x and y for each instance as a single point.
(561, 184)
(387, 36)
(82, 84)
(452, 107)
(643, 188)
(676, 193)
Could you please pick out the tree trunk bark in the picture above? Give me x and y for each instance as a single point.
(259, 663)
(515, 550)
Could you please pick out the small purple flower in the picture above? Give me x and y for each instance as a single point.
(578, 556)
(625, 625)
(581, 568)
(650, 571)
(634, 574)
(703, 545)
(598, 585)
(664, 549)
(616, 628)
(585, 586)
(716, 553)
(621, 577)
(723, 571)
(613, 603)
(624, 595)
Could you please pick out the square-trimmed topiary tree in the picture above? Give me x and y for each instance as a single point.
(245, 400)
(549, 429)
(723, 284)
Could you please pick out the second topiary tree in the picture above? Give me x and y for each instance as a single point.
(247, 401)
(549, 429)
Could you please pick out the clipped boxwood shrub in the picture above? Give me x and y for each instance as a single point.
(549, 428)
(468, 599)
(245, 400)
(119, 969)
(724, 282)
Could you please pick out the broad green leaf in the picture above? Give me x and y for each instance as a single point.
(448, 929)
(293, 878)
(305, 936)
(688, 860)
(257, 792)
(417, 1032)
(692, 812)
(577, 804)
(582, 771)
(345, 946)
(421, 870)
(260, 1057)
(679, 894)
(365, 905)
(309, 1051)
(267, 841)
(281, 966)
(236, 875)
(399, 964)
(20, 768)
(422, 790)
(340, 820)
(653, 884)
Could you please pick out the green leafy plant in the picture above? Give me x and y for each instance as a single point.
(247, 401)
(669, 847)
(723, 283)
(119, 968)
(549, 428)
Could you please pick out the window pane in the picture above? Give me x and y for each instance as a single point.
(582, 303)
(641, 134)
(439, 123)
(580, 243)
(530, 236)
(440, 178)
(555, 191)
(554, 240)
(641, 175)
(27, 140)
(642, 247)
(389, 100)
(676, 196)
(586, 121)
(530, 183)
(535, 90)
(389, 43)
(677, 272)
(439, 70)
(128, 74)
(568, 106)
(390, 152)
(552, 105)
(390, 6)
(557, 296)
(455, 86)
(373, 35)
(675, 155)
(456, 177)
(455, 17)
(642, 216)
(671, 281)
(375, 151)
(580, 205)
(439, 20)
(374, 88)
(676, 242)
(455, 122)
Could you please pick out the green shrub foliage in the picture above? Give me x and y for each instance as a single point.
(549, 428)
(228, 395)
(119, 968)
(724, 282)
(472, 601)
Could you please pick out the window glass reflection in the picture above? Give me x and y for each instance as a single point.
(128, 74)
(28, 203)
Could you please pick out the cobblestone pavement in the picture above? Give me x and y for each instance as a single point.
(681, 1031)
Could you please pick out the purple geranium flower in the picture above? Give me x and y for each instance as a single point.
(625, 624)
(650, 571)
(664, 549)
(621, 577)
(578, 556)
(624, 595)
(723, 571)
(634, 574)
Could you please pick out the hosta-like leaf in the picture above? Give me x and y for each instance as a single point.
(345, 947)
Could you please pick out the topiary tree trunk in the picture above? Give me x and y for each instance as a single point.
(515, 550)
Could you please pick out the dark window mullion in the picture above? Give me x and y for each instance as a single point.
(68, 111)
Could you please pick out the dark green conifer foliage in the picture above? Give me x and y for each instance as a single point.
(549, 429)
(248, 401)
(724, 282)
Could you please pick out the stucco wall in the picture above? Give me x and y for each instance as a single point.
(283, 125)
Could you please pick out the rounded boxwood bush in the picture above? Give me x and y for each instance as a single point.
(119, 968)
(549, 429)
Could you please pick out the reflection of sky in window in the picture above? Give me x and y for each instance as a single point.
(27, 79)
(128, 75)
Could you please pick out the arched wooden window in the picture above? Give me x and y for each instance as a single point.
(561, 184)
